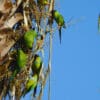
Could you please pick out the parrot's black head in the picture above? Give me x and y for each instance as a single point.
(53, 11)
(35, 56)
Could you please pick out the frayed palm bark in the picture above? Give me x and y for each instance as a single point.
(14, 22)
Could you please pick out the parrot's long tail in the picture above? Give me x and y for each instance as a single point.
(35, 90)
(60, 34)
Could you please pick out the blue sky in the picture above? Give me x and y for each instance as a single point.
(76, 62)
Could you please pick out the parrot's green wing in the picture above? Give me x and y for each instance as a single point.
(29, 83)
(32, 82)
(37, 64)
(21, 59)
(61, 21)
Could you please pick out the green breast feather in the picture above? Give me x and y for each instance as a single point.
(29, 38)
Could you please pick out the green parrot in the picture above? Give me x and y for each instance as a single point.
(42, 2)
(21, 59)
(99, 23)
(36, 67)
(37, 64)
(31, 84)
(59, 20)
(29, 38)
